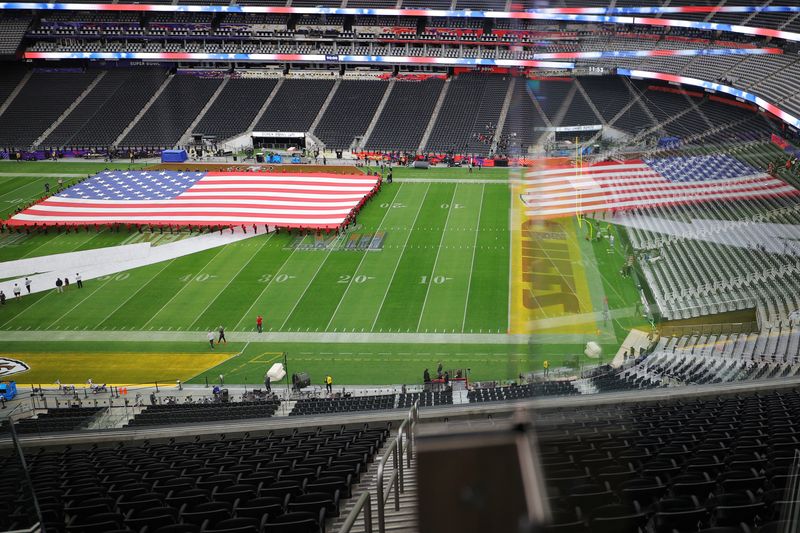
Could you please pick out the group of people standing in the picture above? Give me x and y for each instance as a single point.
(219, 336)
(221, 339)
(61, 285)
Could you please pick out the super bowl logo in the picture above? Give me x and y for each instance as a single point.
(11, 366)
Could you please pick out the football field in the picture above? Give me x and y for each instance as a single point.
(442, 266)
(430, 255)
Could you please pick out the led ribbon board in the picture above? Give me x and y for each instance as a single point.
(538, 61)
(733, 91)
(567, 14)
(530, 14)
(301, 58)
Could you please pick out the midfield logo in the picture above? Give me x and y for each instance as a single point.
(11, 366)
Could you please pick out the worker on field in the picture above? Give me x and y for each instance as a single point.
(546, 366)
(222, 336)
(260, 323)
(210, 337)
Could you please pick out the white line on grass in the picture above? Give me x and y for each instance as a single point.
(48, 241)
(26, 184)
(472, 263)
(29, 307)
(360, 263)
(310, 281)
(277, 272)
(394, 272)
(188, 283)
(71, 309)
(142, 286)
(511, 211)
(219, 293)
(436, 260)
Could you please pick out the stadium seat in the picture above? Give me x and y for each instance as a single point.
(297, 522)
(204, 513)
(235, 525)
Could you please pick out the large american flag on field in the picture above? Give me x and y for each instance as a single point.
(318, 200)
(614, 186)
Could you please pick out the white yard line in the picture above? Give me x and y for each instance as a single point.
(142, 286)
(28, 184)
(188, 283)
(472, 263)
(11, 301)
(405, 244)
(231, 280)
(89, 295)
(27, 255)
(49, 241)
(510, 254)
(310, 281)
(277, 272)
(40, 175)
(436, 260)
(273, 337)
(498, 181)
(360, 263)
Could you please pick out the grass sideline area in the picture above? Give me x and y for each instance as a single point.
(443, 268)
(349, 363)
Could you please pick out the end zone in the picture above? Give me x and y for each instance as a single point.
(120, 368)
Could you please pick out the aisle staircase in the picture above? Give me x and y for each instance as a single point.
(402, 521)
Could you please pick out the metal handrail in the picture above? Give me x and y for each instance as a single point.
(393, 483)
(396, 480)
(364, 502)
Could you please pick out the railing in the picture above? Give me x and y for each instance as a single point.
(396, 481)
(709, 329)
(364, 502)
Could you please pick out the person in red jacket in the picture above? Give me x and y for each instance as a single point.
(259, 323)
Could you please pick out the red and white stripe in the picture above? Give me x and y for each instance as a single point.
(293, 200)
(566, 191)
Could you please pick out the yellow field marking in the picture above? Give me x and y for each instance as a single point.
(249, 361)
(275, 357)
(548, 277)
(120, 368)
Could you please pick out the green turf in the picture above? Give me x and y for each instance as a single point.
(65, 166)
(350, 364)
(22, 183)
(420, 281)
(444, 267)
(457, 173)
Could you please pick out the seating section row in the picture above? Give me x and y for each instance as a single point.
(276, 483)
(148, 108)
(683, 465)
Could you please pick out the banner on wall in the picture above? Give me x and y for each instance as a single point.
(560, 129)
(780, 141)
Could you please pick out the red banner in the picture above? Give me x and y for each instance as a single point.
(779, 141)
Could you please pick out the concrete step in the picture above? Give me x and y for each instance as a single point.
(402, 521)
(406, 528)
